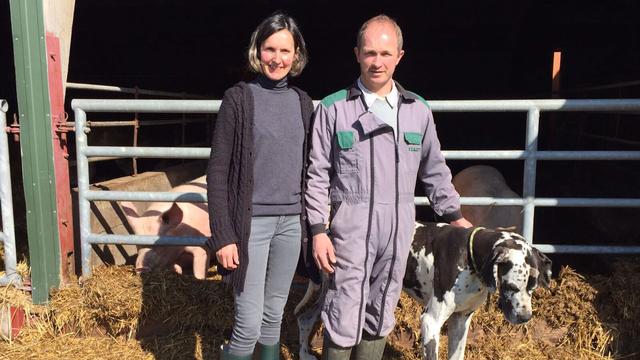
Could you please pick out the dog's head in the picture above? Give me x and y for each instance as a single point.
(515, 269)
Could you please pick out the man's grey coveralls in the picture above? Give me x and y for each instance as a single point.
(361, 180)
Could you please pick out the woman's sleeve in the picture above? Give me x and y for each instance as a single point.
(222, 232)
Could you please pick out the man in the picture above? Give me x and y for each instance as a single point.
(370, 143)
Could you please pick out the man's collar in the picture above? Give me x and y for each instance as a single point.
(354, 92)
(370, 97)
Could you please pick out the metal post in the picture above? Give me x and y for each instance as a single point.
(136, 128)
(529, 181)
(36, 144)
(6, 204)
(183, 128)
(83, 187)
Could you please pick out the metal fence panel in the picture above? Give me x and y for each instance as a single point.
(530, 155)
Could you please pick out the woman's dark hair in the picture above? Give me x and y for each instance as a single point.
(269, 26)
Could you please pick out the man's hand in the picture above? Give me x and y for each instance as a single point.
(462, 222)
(323, 252)
(228, 257)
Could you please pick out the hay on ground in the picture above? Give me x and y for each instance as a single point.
(119, 314)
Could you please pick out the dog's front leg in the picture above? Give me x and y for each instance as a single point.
(430, 338)
(431, 322)
(308, 322)
(458, 328)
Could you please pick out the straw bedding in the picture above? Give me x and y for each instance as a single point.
(118, 314)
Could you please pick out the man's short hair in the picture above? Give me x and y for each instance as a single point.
(384, 19)
(269, 26)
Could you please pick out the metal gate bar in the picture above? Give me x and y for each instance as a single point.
(7, 234)
(136, 123)
(530, 155)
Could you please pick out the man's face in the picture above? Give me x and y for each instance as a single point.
(378, 57)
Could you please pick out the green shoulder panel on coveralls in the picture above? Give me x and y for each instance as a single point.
(336, 96)
(421, 99)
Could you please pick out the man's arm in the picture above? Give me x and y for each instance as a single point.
(318, 180)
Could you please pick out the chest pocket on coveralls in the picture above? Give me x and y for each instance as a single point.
(413, 142)
(347, 154)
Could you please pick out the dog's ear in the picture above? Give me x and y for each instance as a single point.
(490, 268)
(543, 265)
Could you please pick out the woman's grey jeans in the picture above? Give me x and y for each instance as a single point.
(274, 247)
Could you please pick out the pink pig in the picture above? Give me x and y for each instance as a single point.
(487, 181)
(172, 219)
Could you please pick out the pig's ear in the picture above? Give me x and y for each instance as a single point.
(173, 216)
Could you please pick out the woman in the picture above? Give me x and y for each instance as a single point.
(255, 186)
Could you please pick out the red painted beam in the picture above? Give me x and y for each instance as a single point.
(555, 73)
(60, 157)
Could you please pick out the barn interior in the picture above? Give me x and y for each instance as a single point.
(454, 50)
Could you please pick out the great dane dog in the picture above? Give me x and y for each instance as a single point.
(451, 271)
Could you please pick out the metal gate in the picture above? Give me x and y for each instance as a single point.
(7, 234)
(84, 152)
(531, 155)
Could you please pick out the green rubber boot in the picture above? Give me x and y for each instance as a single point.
(225, 355)
(268, 352)
(370, 348)
(331, 351)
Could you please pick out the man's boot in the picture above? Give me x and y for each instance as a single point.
(370, 348)
(331, 351)
(268, 352)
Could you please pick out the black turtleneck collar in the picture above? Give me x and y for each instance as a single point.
(277, 85)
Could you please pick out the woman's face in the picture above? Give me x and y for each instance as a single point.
(277, 54)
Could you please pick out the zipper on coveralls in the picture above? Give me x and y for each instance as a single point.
(395, 232)
(365, 279)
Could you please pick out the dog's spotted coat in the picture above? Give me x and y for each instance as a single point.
(442, 277)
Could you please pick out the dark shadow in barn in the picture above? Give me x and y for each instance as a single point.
(612, 279)
(105, 253)
(183, 318)
(606, 226)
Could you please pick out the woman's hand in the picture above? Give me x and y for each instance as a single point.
(228, 257)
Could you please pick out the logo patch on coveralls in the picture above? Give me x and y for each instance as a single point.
(413, 140)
